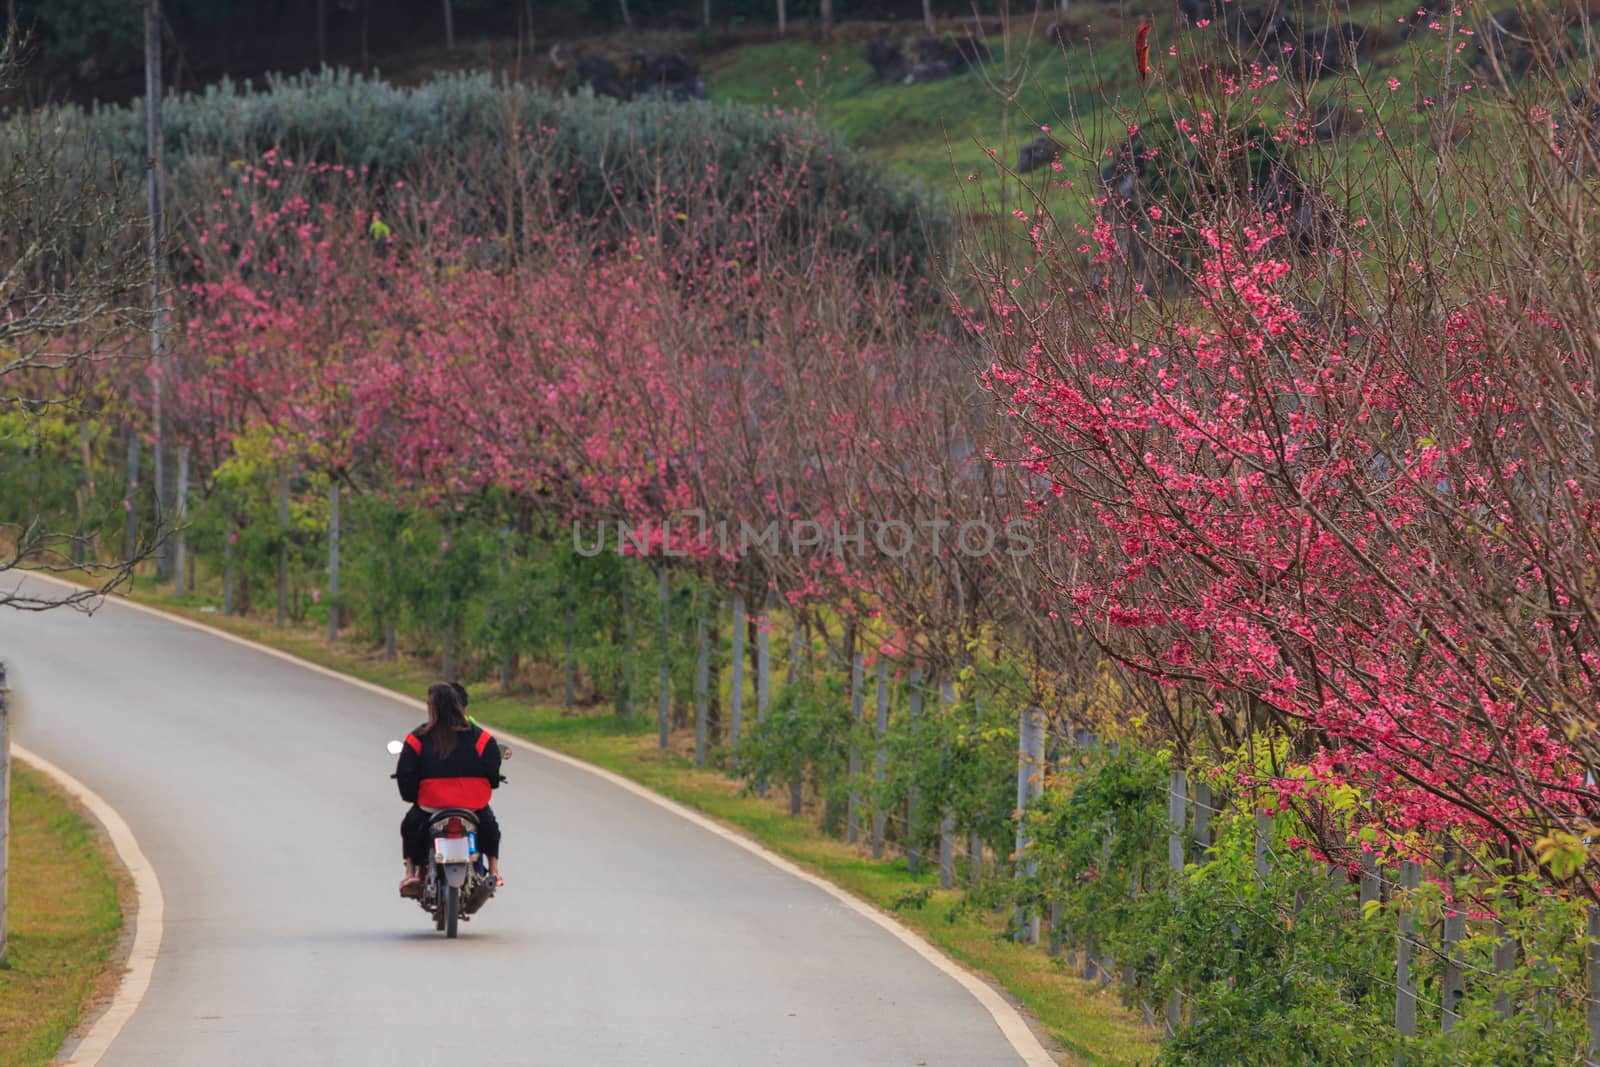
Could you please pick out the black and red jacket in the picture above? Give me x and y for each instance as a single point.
(462, 779)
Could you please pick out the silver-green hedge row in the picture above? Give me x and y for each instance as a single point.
(595, 149)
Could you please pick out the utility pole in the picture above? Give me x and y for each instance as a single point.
(152, 119)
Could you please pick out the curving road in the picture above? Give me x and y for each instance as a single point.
(626, 935)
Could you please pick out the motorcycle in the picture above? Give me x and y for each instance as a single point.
(456, 882)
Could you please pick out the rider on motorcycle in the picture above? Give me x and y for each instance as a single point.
(448, 762)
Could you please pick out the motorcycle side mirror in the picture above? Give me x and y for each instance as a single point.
(395, 747)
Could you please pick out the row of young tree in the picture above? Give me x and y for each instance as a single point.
(1249, 494)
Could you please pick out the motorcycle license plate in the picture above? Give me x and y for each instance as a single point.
(452, 849)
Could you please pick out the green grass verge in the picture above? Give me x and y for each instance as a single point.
(1088, 1023)
(65, 918)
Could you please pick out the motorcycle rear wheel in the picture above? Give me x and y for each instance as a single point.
(452, 909)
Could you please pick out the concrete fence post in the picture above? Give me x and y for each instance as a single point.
(130, 551)
(880, 759)
(630, 651)
(664, 679)
(1592, 957)
(797, 779)
(947, 819)
(1370, 885)
(180, 514)
(702, 685)
(852, 820)
(1030, 786)
(1453, 976)
(1263, 843)
(334, 529)
(913, 816)
(1405, 983)
(283, 547)
(1503, 960)
(736, 692)
(1177, 802)
(1201, 838)
(763, 668)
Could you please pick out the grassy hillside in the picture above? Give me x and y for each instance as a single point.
(938, 132)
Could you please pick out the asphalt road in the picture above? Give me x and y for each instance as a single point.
(625, 935)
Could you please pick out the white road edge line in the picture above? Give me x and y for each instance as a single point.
(1006, 1017)
(149, 911)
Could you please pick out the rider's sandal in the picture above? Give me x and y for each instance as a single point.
(411, 888)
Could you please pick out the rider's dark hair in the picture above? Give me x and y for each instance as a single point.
(461, 694)
(445, 718)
